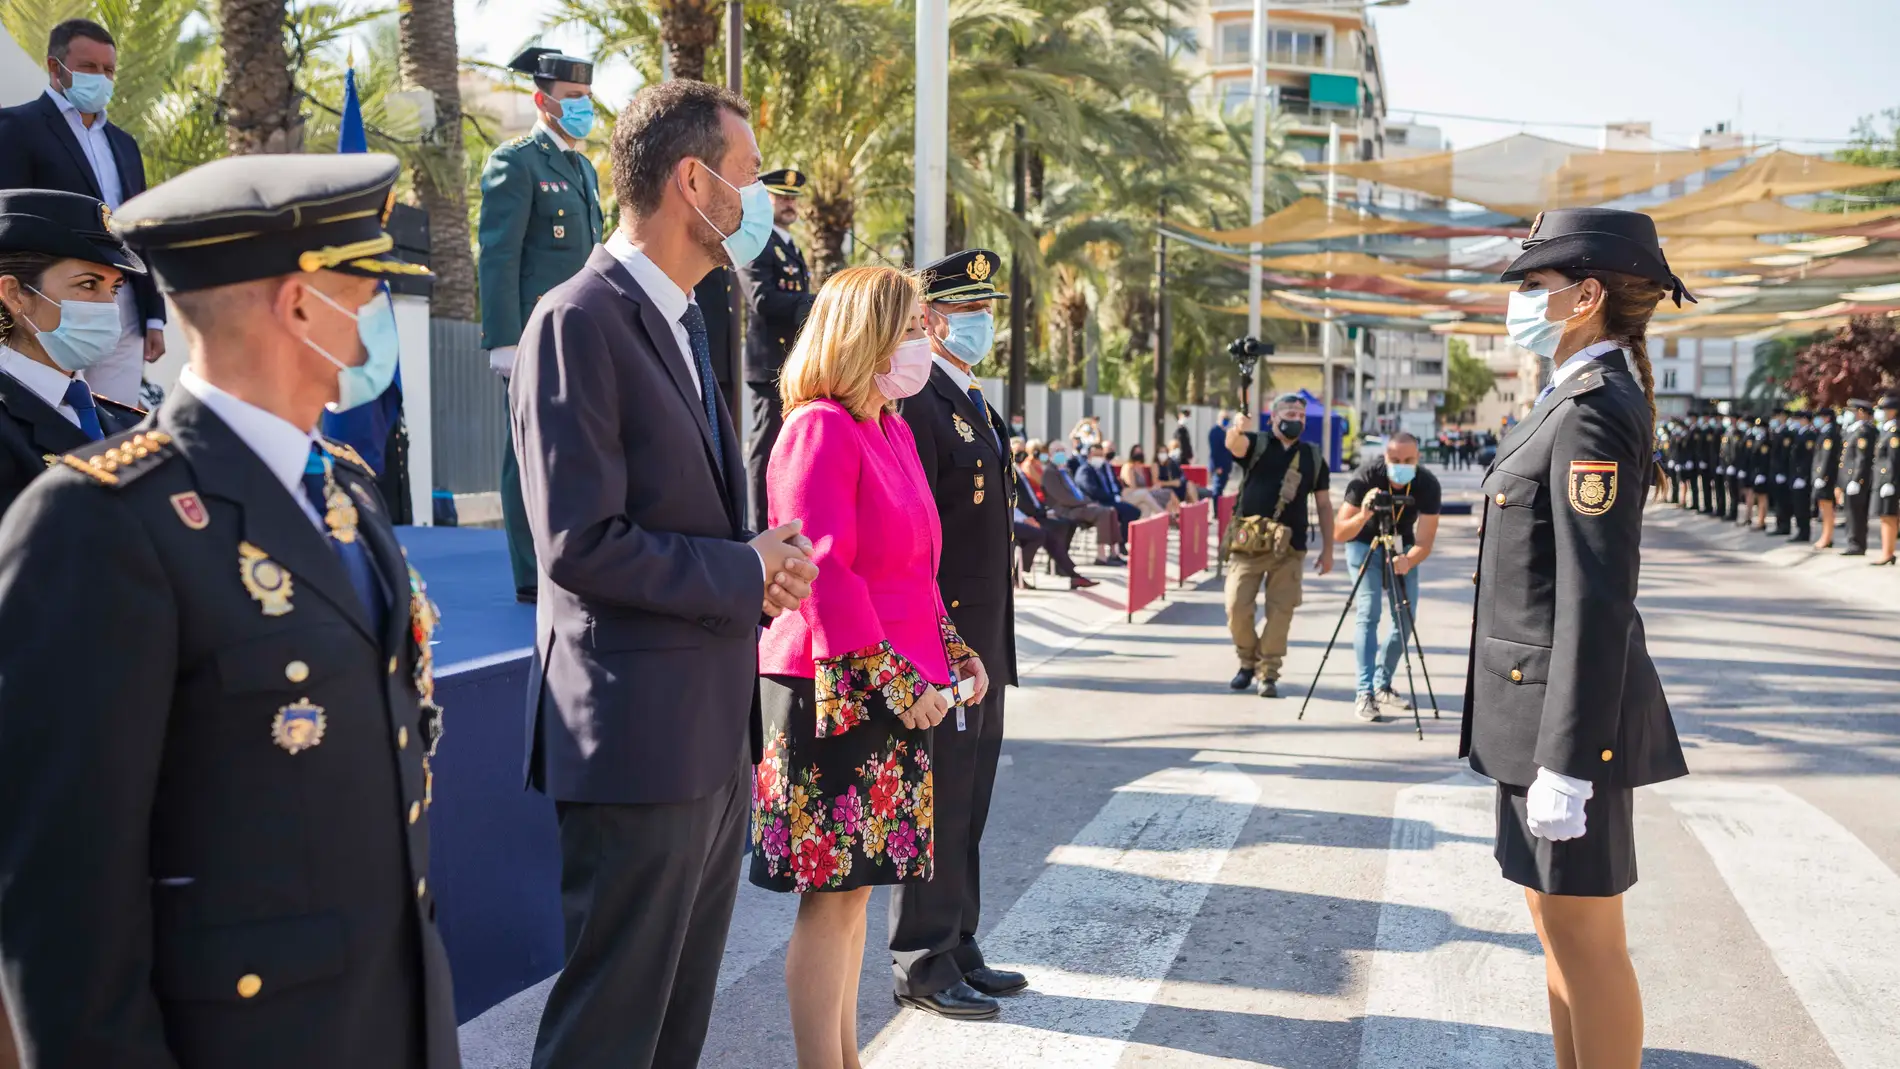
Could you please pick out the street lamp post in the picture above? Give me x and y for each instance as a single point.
(933, 129)
(1257, 196)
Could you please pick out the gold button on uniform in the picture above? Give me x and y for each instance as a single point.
(954, 603)
(249, 985)
(415, 812)
(392, 665)
(422, 886)
(1517, 676)
(1606, 755)
(1500, 499)
(296, 671)
(402, 738)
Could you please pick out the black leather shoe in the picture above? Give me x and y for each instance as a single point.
(959, 1002)
(1241, 681)
(995, 982)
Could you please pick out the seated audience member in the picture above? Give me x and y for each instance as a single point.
(1064, 498)
(1140, 479)
(1171, 475)
(1099, 485)
(1037, 528)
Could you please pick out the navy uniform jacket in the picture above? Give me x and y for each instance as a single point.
(215, 847)
(540, 220)
(1560, 675)
(33, 434)
(1781, 448)
(778, 298)
(1887, 444)
(1857, 456)
(1827, 459)
(971, 479)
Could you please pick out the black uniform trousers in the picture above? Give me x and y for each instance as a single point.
(1783, 497)
(933, 924)
(768, 419)
(642, 884)
(1857, 505)
(1053, 535)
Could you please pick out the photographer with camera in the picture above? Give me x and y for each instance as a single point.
(1390, 502)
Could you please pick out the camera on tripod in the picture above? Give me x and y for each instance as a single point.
(1388, 504)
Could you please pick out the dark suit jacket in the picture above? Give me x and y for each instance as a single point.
(1100, 484)
(40, 152)
(645, 681)
(1560, 675)
(778, 298)
(32, 430)
(970, 480)
(216, 852)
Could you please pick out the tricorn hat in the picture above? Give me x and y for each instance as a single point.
(1597, 239)
(550, 63)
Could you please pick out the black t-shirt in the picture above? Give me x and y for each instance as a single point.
(1373, 476)
(1265, 466)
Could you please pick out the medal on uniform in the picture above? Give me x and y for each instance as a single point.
(191, 510)
(963, 428)
(264, 579)
(339, 512)
(298, 726)
(423, 619)
(560, 231)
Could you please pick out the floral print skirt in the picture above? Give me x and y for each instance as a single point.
(849, 810)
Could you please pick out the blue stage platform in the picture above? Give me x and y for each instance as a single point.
(495, 858)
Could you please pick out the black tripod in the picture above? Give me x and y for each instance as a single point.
(1401, 607)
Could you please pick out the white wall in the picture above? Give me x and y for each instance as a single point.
(21, 76)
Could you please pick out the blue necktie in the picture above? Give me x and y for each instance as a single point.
(976, 398)
(354, 554)
(1541, 394)
(79, 398)
(695, 323)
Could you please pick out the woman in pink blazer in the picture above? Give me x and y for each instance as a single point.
(850, 688)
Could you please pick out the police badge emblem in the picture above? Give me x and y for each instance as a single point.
(264, 579)
(979, 268)
(191, 510)
(298, 726)
(964, 430)
(1592, 486)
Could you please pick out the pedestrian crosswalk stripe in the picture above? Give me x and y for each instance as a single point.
(1823, 903)
(1456, 975)
(1098, 930)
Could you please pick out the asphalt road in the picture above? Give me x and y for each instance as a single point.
(1194, 878)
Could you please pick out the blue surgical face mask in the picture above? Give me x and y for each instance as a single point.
(755, 221)
(1524, 318)
(577, 116)
(1401, 474)
(1060, 457)
(376, 328)
(972, 335)
(90, 93)
(88, 332)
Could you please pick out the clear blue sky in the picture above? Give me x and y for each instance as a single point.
(1770, 66)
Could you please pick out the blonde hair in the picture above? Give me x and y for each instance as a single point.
(860, 316)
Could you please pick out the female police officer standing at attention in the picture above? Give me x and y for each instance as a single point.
(1562, 705)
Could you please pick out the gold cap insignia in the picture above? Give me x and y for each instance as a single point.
(298, 726)
(1592, 486)
(1535, 223)
(105, 217)
(980, 267)
(264, 579)
(791, 178)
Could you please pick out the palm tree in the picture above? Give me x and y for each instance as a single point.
(689, 28)
(429, 62)
(260, 96)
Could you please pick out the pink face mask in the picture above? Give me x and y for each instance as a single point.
(910, 369)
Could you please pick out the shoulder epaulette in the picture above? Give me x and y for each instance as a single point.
(348, 454)
(518, 141)
(119, 460)
(118, 406)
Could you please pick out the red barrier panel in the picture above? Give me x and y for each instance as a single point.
(1224, 512)
(1196, 474)
(1147, 561)
(1193, 553)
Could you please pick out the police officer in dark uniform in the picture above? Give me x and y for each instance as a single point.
(1857, 475)
(1885, 487)
(778, 298)
(964, 446)
(216, 850)
(1760, 445)
(540, 220)
(1798, 497)
(1563, 706)
(1705, 464)
(1735, 455)
(1825, 472)
(57, 259)
(1781, 446)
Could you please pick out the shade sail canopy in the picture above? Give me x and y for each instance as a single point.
(1778, 174)
(1767, 217)
(1306, 219)
(1525, 174)
(1340, 263)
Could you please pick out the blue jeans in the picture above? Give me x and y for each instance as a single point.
(1376, 674)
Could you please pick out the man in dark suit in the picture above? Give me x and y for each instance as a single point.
(62, 140)
(642, 719)
(1062, 496)
(778, 298)
(1038, 528)
(250, 777)
(964, 447)
(1099, 484)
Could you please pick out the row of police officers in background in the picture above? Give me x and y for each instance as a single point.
(1794, 467)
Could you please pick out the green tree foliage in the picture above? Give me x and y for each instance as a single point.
(1469, 380)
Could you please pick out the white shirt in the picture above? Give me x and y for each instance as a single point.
(668, 299)
(283, 448)
(559, 135)
(960, 377)
(49, 383)
(1579, 358)
(783, 234)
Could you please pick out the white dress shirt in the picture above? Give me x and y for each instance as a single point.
(958, 376)
(49, 383)
(1579, 358)
(783, 234)
(283, 448)
(668, 299)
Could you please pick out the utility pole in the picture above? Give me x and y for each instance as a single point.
(1162, 325)
(1016, 391)
(1257, 196)
(931, 182)
(1326, 342)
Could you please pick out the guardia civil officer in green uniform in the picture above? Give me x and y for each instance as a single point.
(964, 446)
(540, 220)
(217, 842)
(1563, 707)
(778, 298)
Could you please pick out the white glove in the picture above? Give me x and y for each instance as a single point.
(1728, 471)
(502, 361)
(1887, 490)
(1760, 479)
(1853, 487)
(1800, 484)
(1779, 479)
(1553, 807)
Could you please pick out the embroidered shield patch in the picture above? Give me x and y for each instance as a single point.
(1592, 486)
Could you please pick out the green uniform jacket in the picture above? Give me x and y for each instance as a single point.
(540, 219)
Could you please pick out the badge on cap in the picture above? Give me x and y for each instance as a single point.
(191, 510)
(963, 429)
(265, 579)
(298, 726)
(979, 268)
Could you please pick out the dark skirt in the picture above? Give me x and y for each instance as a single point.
(1599, 864)
(842, 812)
(1885, 506)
